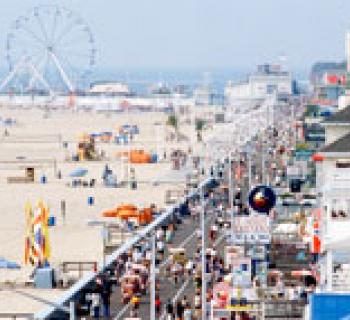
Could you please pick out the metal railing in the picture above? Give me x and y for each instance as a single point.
(82, 283)
(16, 316)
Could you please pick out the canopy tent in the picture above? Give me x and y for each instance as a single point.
(78, 173)
(5, 264)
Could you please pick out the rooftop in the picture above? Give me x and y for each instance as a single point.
(340, 145)
(342, 116)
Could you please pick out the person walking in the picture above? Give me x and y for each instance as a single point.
(184, 301)
(135, 301)
(63, 211)
(158, 304)
(95, 305)
(169, 310)
(188, 312)
(179, 311)
(106, 297)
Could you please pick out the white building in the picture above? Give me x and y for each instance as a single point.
(333, 182)
(266, 81)
(113, 88)
(337, 125)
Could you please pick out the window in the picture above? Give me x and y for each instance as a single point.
(342, 164)
(340, 209)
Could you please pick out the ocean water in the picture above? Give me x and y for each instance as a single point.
(141, 80)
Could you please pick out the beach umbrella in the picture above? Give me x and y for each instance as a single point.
(5, 264)
(78, 173)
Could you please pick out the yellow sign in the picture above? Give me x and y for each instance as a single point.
(239, 308)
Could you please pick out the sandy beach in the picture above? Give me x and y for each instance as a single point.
(38, 136)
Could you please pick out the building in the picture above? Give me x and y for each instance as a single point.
(110, 88)
(333, 183)
(268, 80)
(337, 125)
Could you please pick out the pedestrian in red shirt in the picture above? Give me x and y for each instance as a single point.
(158, 304)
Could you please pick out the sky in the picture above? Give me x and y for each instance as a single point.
(202, 34)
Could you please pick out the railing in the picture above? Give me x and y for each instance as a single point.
(82, 283)
(71, 271)
(79, 266)
(16, 316)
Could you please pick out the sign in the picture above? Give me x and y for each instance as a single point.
(262, 199)
(251, 229)
(251, 238)
(251, 224)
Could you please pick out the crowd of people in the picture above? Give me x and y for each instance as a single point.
(131, 271)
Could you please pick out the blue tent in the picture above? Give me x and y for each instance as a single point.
(326, 113)
(5, 264)
(78, 173)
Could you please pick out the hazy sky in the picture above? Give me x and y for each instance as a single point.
(205, 33)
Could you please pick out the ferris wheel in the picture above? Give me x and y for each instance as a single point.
(50, 48)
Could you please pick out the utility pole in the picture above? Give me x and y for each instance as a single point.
(204, 278)
(153, 278)
(249, 160)
(231, 193)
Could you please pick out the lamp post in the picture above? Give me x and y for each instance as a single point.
(204, 278)
(153, 277)
(231, 193)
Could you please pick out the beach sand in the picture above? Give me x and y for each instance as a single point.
(38, 135)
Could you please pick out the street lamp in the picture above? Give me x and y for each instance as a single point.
(204, 278)
(153, 277)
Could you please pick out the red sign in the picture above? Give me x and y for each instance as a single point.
(335, 79)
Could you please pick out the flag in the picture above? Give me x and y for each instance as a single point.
(38, 242)
(28, 243)
(45, 232)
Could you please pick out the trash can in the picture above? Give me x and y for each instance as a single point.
(154, 158)
(90, 201)
(133, 185)
(51, 221)
(43, 278)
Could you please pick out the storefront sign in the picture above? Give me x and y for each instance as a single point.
(252, 230)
